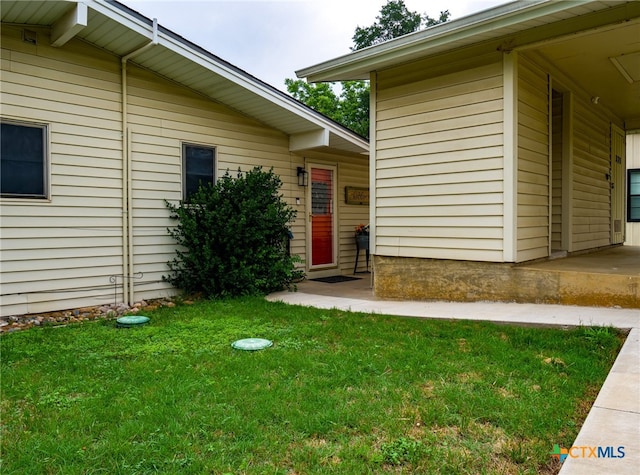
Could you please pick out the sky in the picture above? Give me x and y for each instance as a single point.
(271, 39)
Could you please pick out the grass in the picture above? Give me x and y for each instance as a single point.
(338, 392)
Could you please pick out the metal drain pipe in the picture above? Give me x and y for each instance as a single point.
(127, 201)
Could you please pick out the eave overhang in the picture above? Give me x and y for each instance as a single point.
(540, 18)
(116, 28)
(592, 43)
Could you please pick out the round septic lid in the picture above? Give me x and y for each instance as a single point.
(251, 344)
(132, 321)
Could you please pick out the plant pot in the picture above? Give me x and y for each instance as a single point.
(362, 241)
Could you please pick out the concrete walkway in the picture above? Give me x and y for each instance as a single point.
(614, 419)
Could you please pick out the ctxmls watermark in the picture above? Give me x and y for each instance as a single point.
(585, 451)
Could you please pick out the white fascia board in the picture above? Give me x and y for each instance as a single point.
(120, 16)
(69, 25)
(366, 60)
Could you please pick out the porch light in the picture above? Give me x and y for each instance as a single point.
(303, 177)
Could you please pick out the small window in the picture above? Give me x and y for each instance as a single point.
(198, 164)
(23, 161)
(633, 196)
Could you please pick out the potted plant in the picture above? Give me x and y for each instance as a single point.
(362, 236)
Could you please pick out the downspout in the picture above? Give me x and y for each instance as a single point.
(127, 202)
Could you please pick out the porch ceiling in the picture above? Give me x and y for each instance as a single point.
(589, 59)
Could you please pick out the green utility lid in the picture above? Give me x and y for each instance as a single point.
(131, 321)
(251, 344)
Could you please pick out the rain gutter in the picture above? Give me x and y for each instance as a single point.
(493, 21)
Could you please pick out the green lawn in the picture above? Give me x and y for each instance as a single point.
(337, 393)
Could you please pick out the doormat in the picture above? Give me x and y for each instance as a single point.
(335, 279)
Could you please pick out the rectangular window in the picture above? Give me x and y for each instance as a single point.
(23, 160)
(633, 195)
(198, 166)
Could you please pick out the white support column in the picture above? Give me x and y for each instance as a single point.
(372, 162)
(550, 132)
(510, 165)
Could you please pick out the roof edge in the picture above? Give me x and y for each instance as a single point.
(232, 72)
(485, 20)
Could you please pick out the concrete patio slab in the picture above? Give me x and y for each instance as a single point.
(521, 313)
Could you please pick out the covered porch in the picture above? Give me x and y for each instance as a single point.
(604, 278)
(499, 145)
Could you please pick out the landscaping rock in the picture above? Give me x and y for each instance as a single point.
(22, 322)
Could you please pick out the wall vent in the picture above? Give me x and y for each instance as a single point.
(30, 37)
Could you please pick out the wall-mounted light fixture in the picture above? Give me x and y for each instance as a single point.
(303, 177)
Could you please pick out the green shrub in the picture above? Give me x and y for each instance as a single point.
(233, 238)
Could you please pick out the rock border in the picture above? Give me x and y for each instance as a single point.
(64, 317)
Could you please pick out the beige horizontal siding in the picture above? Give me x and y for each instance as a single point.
(558, 161)
(163, 116)
(458, 200)
(439, 163)
(394, 249)
(591, 193)
(59, 253)
(403, 76)
(533, 162)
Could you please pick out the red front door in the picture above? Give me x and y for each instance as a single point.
(322, 187)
